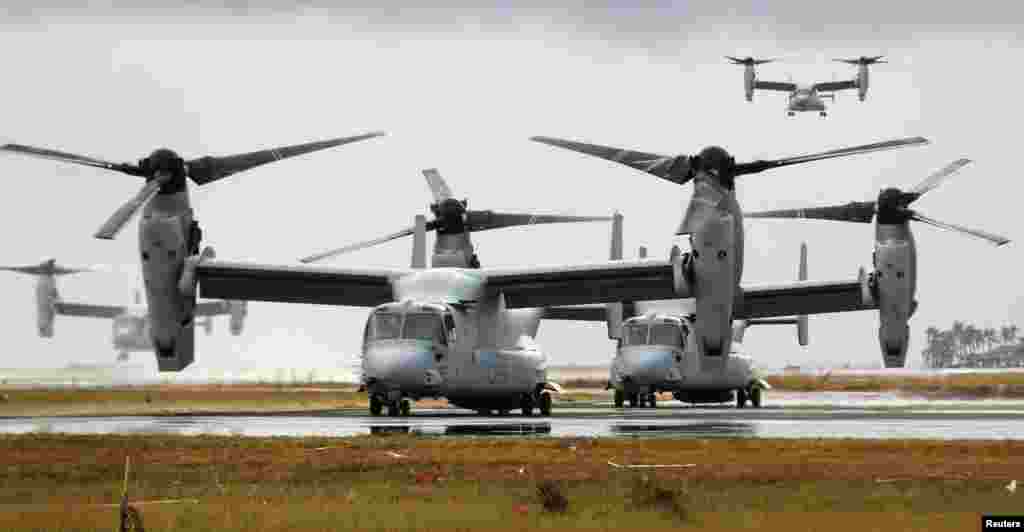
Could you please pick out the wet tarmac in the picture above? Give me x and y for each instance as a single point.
(786, 415)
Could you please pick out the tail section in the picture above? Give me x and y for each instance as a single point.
(237, 310)
(46, 274)
(617, 312)
(862, 63)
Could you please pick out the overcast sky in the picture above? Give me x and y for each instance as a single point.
(461, 88)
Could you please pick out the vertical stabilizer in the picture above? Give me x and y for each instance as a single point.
(616, 312)
(642, 252)
(46, 274)
(801, 321)
(419, 243)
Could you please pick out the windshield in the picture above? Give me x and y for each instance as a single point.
(635, 334)
(665, 334)
(424, 327)
(385, 326)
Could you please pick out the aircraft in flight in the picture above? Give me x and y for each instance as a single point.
(806, 97)
(426, 342)
(894, 279)
(168, 231)
(130, 323)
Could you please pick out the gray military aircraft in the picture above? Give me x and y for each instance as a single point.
(426, 343)
(130, 323)
(894, 281)
(485, 295)
(711, 272)
(805, 97)
(168, 231)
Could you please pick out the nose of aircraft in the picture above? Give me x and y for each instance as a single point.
(404, 364)
(646, 365)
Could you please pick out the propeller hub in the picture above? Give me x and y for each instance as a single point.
(450, 215)
(892, 207)
(716, 160)
(165, 161)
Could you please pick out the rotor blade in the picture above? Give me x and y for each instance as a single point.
(760, 166)
(995, 239)
(208, 169)
(437, 185)
(939, 177)
(855, 211)
(45, 269)
(484, 220)
(55, 155)
(123, 214)
(360, 245)
(675, 169)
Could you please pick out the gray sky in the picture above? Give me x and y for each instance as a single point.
(461, 88)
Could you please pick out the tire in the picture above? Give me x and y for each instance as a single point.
(545, 404)
(392, 409)
(755, 397)
(503, 413)
(741, 398)
(404, 407)
(652, 400)
(526, 405)
(376, 405)
(620, 398)
(634, 400)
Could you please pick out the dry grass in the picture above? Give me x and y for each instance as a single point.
(1010, 385)
(262, 484)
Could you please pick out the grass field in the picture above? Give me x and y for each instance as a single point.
(56, 482)
(966, 385)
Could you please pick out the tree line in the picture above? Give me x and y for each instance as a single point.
(958, 344)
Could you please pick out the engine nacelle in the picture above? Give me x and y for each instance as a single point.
(862, 82)
(894, 289)
(237, 310)
(46, 298)
(748, 82)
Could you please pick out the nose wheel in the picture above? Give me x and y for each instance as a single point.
(394, 408)
(545, 404)
(823, 114)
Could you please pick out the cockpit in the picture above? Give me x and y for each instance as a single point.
(654, 331)
(411, 321)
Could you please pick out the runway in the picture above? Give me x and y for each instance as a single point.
(786, 415)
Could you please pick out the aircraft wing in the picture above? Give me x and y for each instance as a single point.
(576, 313)
(295, 284)
(775, 86)
(828, 86)
(606, 282)
(212, 308)
(83, 310)
(802, 297)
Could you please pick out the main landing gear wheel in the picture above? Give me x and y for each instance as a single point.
(652, 400)
(634, 400)
(823, 114)
(526, 405)
(404, 407)
(545, 404)
(755, 397)
(392, 409)
(620, 398)
(376, 405)
(790, 113)
(741, 398)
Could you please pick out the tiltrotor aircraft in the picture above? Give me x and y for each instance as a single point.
(168, 231)
(712, 270)
(805, 97)
(433, 340)
(894, 281)
(130, 324)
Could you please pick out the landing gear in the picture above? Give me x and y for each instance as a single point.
(503, 413)
(755, 397)
(620, 398)
(376, 405)
(741, 398)
(634, 400)
(404, 407)
(545, 404)
(392, 410)
(823, 114)
(790, 113)
(526, 405)
(652, 400)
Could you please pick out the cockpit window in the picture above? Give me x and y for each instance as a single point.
(386, 326)
(665, 334)
(424, 327)
(635, 334)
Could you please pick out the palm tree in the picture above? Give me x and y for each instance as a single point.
(990, 337)
(958, 337)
